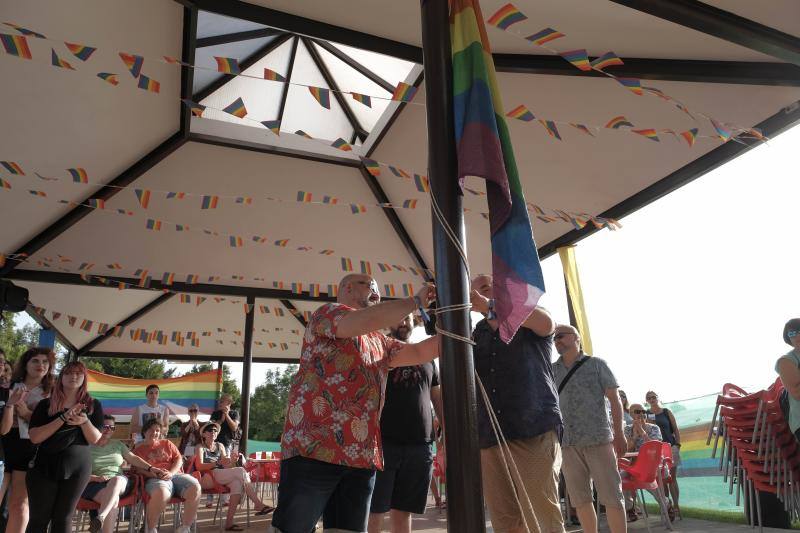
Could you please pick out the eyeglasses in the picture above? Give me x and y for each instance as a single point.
(562, 335)
(792, 333)
(648, 398)
(110, 428)
(639, 412)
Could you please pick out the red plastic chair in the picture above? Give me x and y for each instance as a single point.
(176, 503)
(644, 474)
(131, 500)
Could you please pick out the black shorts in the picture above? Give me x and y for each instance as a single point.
(94, 487)
(403, 484)
(19, 452)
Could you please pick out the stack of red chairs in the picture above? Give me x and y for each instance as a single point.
(266, 473)
(758, 452)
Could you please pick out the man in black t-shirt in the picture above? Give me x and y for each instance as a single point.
(228, 420)
(407, 435)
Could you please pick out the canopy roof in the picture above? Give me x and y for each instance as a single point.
(264, 234)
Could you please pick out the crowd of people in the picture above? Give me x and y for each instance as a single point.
(57, 448)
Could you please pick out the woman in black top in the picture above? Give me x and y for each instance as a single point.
(63, 426)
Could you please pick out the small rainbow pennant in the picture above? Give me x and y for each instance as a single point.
(551, 128)
(347, 264)
(195, 108)
(12, 167)
(410, 204)
(358, 208)
(304, 197)
(80, 51)
(632, 84)
(236, 108)
(690, 136)
(618, 122)
(282, 243)
(227, 65)
(153, 224)
(579, 58)
(148, 84)
(399, 172)
(404, 92)
(16, 45)
(41, 194)
(582, 128)
(609, 59)
(272, 75)
(650, 133)
(4, 184)
(108, 77)
(341, 144)
(506, 16)
(25, 31)
(330, 200)
(273, 125)
(521, 113)
(235, 242)
(58, 62)
(133, 63)
(722, 132)
(372, 166)
(545, 36)
(209, 202)
(362, 99)
(143, 195)
(301, 133)
(321, 95)
(79, 175)
(422, 183)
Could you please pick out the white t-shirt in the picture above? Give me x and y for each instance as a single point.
(35, 395)
(146, 413)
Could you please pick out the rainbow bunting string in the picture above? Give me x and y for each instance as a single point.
(16, 45)
(25, 31)
(544, 36)
(270, 74)
(133, 63)
(618, 122)
(648, 133)
(362, 99)
(80, 51)
(404, 92)
(521, 113)
(236, 108)
(79, 175)
(609, 59)
(632, 84)
(578, 57)
(209, 202)
(551, 128)
(58, 62)
(148, 84)
(321, 95)
(273, 125)
(341, 144)
(506, 16)
(108, 78)
(12, 167)
(227, 65)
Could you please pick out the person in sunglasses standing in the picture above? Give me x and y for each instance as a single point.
(108, 483)
(788, 367)
(190, 433)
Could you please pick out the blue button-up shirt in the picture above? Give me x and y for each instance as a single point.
(518, 379)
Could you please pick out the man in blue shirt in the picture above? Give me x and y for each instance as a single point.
(518, 381)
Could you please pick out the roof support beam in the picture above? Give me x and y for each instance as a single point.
(189, 46)
(63, 278)
(774, 125)
(274, 150)
(245, 64)
(326, 74)
(287, 85)
(191, 358)
(723, 25)
(399, 109)
(92, 344)
(732, 72)
(394, 220)
(46, 324)
(237, 37)
(295, 312)
(247, 366)
(355, 65)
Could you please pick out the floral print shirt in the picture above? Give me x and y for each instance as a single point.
(336, 397)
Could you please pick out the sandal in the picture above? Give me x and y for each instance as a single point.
(265, 510)
(234, 527)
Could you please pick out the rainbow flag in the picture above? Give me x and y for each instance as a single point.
(521, 113)
(304, 197)
(143, 195)
(341, 144)
(25, 31)
(41, 194)
(120, 396)
(327, 252)
(270, 74)
(12, 167)
(347, 264)
(690, 136)
(399, 172)
(153, 224)
(79, 175)
(209, 202)
(244, 200)
(722, 132)
(582, 128)
(358, 208)
(194, 107)
(545, 36)
(551, 128)
(330, 200)
(236, 108)
(485, 150)
(649, 133)
(58, 62)
(178, 195)
(372, 166)
(16, 45)
(228, 65)
(108, 77)
(321, 95)
(282, 242)
(235, 242)
(133, 63)
(579, 58)
(366, 268)
(404, 92)
(273, 125)
(304, 134)
(409, 204)
(148, 84)
(618, 122)
(505, 17)
(362, 99)
(80, 51)
(632, 84)
(388, 290)
(4, 185)
(609, 59)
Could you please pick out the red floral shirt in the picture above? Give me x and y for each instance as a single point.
(336, 397)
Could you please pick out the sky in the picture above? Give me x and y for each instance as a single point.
(694, 290)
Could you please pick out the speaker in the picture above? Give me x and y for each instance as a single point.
(12, 298)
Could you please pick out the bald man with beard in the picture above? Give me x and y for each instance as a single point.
(330, 444)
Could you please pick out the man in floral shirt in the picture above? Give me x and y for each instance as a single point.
(331, 439)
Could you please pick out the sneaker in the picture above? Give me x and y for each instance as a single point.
(183, 529)
(95, 525)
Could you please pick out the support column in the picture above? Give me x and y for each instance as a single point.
(247, 363)
(464, 491)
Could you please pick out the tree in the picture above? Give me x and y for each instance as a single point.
(268, 404)
(13, 340)
(228, 383)
(129, 368)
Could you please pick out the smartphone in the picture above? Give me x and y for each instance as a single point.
(651, 417)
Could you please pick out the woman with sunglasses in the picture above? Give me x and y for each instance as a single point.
(788, 367)
(190, 433)
(625, 407)
(63, 425)
(670, 433)
(33, 374)
(216, 468)
(108, 483)
(637, 433)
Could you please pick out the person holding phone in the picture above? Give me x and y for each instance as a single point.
(637, 433)
(63, 425)
(670, 433)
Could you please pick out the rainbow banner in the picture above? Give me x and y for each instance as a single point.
(120, 396)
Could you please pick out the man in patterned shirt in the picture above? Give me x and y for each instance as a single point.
(331, 439)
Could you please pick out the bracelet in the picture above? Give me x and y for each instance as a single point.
(62, 417)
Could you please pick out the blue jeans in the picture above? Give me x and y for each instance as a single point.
(311, 489)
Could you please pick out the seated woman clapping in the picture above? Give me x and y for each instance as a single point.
(212, 461)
